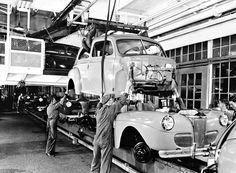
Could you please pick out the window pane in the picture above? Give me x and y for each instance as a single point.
(190, 92)
(216, 52)
(185, 50)
(232, 68)
(191, 57)
(2, 48)
(178, 51)
(2, 60)
(215, 98)
(215, 86)
(197, 104)
(225, 51)
(183, 92)
(190, 79)
(205, 45)
(197, 95)
(223, 96)
(224, 85)
(224, 69)
(232, 87)
(233, 39)
(177, 59)
(225, 41)
(216, 42)
(198, 79)
(185, 58)
(198, 47)
(172, 52)
(198, 56)
(190, 104)
(191, 48)
(204, 55)
(167, 53)
(233, 49)
(216, 70)
(184, 80)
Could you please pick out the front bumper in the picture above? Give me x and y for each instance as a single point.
(184, 152)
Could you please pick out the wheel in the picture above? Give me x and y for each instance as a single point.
(142, 153)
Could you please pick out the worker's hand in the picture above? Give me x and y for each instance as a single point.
(124, 98)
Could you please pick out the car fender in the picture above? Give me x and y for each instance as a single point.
(148, 124)
(143, 130)
(75, 77)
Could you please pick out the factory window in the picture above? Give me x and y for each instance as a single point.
(2, 52)
(191, 89)
(191, 52)
(224, 46)
(223, 80)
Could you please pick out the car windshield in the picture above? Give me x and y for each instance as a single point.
(138, 47)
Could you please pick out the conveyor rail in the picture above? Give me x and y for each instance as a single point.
(161, 165)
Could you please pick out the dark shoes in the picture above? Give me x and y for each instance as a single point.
(50, 155)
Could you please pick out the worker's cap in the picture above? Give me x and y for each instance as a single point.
(106, 98)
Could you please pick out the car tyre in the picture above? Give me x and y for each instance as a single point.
(142, 153)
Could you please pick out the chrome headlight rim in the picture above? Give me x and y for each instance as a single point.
(68, 104)
(223, 120)
(168, 123)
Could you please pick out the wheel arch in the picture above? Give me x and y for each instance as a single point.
(74, 81)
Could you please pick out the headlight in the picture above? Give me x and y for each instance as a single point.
(40, 99)
(223, 120)
(68, 104)
(168, 122)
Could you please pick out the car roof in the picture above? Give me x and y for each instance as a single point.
(124, 36)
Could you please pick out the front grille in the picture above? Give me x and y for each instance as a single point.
(184, 139)
(210, 137)
(199, 127)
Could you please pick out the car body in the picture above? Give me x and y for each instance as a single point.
(40, 102)
(127, 59)
(139, 66)
(222, 158)
(59, 58)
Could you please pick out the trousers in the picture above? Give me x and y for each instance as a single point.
(102, 158)
(52, 136)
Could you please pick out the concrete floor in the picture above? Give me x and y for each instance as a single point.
(22, 149)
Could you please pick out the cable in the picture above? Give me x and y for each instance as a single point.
(104, 44)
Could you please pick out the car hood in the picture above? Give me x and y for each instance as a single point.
(149, 118)
(145, 60)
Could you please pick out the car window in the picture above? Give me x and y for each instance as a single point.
(98, 49)
(138, 47)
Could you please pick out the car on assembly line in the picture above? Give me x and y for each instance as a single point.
(139, 66)
(222, 157)
(59, 58)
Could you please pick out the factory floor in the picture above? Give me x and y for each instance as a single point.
(22, 149)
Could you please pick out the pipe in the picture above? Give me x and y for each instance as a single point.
(167, 19)
(195, 18)
(163, 12)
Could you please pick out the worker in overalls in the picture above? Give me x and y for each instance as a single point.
(103, 140)
(53, 116)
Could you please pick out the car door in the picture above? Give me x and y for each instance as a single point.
(94, 68)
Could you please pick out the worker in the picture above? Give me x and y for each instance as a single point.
(232, 103)
(19, 90)
(103, 140)
(53, 117)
